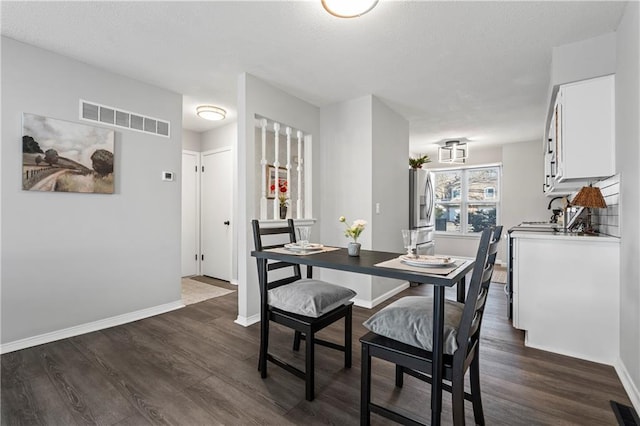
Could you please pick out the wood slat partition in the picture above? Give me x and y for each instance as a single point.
(288, 156)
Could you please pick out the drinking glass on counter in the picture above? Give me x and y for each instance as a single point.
(409, 239)
(303, 235)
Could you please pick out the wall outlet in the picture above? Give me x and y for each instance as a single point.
(168, 176)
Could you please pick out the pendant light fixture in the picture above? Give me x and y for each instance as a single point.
(348, 8)
(210, 112)
(453, 152)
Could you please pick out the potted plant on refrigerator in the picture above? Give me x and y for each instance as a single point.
(416, 163)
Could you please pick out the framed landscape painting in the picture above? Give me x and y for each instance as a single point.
(62, 156)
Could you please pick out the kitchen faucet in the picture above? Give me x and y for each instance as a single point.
(552, 200)
(556, 212)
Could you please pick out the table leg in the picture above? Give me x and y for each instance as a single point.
(438, 325)
(461, 287)
(264, 318)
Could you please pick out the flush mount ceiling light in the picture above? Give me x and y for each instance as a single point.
(453, 152)
(210, 112)
(348, 9)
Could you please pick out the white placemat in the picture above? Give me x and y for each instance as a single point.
(438, 270)
(283, 250)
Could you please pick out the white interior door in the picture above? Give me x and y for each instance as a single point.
(190, 213)
(216, 213)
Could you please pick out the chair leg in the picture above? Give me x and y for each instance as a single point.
(309, 364)
(296, 341)
(365, 386)
(264, 345)
(347, 339)
(457, 398)
(399, 376)
(476, 397)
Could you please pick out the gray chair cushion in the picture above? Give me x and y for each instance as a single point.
(311, 298)
(410, 320)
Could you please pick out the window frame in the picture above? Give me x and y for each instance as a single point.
(464, 201)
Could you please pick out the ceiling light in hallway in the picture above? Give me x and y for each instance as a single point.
(348, 8)
(210, 112)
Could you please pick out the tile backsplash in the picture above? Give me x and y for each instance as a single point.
(607, 221)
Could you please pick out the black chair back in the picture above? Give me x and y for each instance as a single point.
(284, 232)
(469, 329)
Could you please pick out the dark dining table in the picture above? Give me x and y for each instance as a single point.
(366, 264)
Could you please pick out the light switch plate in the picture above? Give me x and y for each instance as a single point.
(168, 176)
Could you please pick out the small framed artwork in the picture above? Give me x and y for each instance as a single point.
(271, 181)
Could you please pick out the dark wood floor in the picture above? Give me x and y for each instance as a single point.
(195, 366)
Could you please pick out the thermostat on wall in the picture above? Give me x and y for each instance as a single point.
(167, 176)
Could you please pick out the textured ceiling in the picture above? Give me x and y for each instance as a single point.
(478, 70)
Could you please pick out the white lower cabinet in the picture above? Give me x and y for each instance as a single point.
(566, 292)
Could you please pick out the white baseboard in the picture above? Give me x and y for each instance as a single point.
(363, 303)
(89, 327)
(247, 321)
(627, 383)
(606, 359)
(233, 281)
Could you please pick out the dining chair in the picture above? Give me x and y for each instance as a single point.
(401, 333)
(305, 305)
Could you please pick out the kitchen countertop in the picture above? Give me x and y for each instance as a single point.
(569, 236)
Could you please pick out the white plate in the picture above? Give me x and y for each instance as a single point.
(308, 247)
(427, 261)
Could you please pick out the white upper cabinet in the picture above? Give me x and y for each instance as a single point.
(588, 129)
(580, 143)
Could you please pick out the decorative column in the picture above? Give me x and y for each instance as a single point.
(276, 165)
(263, 168)
(288, 132)
(299, 200)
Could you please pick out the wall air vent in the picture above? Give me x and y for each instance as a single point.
(103, 114)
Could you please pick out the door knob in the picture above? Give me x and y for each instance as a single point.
(226, 222)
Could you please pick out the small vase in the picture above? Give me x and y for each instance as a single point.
(353, 249)
(283, 212)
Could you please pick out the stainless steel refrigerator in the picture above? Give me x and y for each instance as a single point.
(421, 209)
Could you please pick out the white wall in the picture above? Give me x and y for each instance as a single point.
(364, 161)
(72, 259)
(346, 162)
(522, 177)
(628, 162)
(584, 59)
(390, 179)
(220, 137)
(581, 60)
(191, 140)
(258, 97)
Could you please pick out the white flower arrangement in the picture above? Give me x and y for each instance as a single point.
(355, 229)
